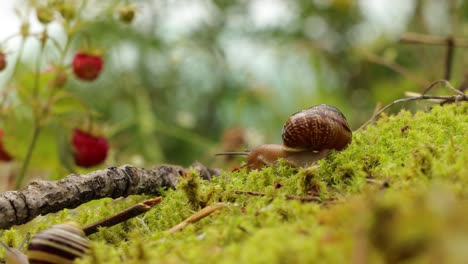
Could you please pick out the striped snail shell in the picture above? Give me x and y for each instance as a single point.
(60, 244)
(317, 128)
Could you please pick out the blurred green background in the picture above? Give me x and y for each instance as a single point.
(186, 71)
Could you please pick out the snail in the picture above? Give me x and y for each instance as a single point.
(60, 244)
(308, 136)
(63, 243)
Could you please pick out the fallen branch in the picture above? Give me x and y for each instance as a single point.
(197, 217)
(43, 197)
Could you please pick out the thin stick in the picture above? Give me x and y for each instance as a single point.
(446, 84)
(431, 40)
(460, 97)
(197, 217)
(377, 107)
(253, 193)
(122, 216)
(243, 153)
(382, 184)
(303, 198)
(288, 197)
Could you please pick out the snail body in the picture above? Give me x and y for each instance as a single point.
(14, 255)
(269, 154)
(60, 244)
(308, 136)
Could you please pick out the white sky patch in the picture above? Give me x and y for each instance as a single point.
(270, 13)
(11, 24)
(8, 19)
(184, 16)
(125, 55)
(272, 66)
(438, 21)
(246, 55)
(389, 16)
(315, 27)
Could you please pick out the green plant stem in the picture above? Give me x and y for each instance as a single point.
(37, 75)
(29, 152)
(65, 50)
(63, 53)
(37, 120)
(18, 59)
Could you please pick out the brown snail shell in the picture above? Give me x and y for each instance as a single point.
(317, 128)
(61, 243)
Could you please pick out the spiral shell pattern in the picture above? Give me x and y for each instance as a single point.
(60, 244)
(317, 128)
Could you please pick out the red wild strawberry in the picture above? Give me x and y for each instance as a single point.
(3, 154)
(87, 66)
(89, 150)
(3, 62)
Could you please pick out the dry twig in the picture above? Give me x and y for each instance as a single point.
(288, 197)
(122, 216)
(380, 183)
(197, 217)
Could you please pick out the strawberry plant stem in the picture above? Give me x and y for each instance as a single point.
(37, 120)
(31, 146)
(37, 74)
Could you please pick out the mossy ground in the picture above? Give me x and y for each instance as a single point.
(398, 193)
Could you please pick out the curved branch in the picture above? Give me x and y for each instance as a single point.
(460, 96)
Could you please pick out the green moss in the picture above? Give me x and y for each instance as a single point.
(398, 194)
(403, 147)
(189, 183)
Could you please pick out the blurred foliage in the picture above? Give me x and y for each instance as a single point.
(184, 71)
